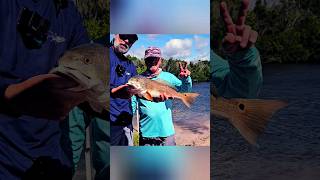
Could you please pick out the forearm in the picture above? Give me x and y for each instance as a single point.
(241, 77)
(4, 106)
(120, 92)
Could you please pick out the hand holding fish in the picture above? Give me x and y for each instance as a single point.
(122, 91)
(184, 72)
(43, 96)
(239, 36)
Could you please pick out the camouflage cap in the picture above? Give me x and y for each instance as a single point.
(152, 52)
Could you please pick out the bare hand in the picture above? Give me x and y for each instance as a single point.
(239, 36)
(184, 72)
(43, 96)
(122, 91)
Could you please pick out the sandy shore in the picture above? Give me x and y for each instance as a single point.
(193, 134)
(190, 134)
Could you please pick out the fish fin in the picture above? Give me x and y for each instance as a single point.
(147, 96)
(188, 98)
(161, 81)
(252, 116)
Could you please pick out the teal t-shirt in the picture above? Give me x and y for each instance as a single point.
(156, 117)
(237, 76)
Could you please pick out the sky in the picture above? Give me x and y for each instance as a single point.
(160, 16)
(188, 47)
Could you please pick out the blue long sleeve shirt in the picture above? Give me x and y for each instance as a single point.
(120, 109)
(28, 136)
(156, 117)
(239, 76)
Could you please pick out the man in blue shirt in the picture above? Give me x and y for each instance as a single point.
(34, 34)
(121, 70)
(156, 125)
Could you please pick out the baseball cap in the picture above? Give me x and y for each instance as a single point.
(152, 52)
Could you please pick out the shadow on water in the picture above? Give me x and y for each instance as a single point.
(290, 146)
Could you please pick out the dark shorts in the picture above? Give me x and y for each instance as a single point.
(157, 141)
(119, 136)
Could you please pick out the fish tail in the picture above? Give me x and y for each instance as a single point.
(188, 98)
(252, 116)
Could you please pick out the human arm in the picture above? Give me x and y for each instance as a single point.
(240, 75)
(43, 96)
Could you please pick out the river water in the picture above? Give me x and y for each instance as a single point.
(200, 109)
(290, 146)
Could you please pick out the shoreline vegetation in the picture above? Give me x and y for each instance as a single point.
(200, 70)
(95, 14)
(289, 31)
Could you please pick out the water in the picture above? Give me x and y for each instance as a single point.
(200, 109)
(192, 125)
(290, 146)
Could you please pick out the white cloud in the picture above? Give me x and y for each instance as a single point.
(178, 48)
(202, 46)
(200, 42)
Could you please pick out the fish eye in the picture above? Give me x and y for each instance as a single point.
(87, 61)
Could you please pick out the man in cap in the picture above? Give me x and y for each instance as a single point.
(156, 125)
(121, 70)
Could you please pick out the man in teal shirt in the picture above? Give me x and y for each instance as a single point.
(240, 74)
(156, 125)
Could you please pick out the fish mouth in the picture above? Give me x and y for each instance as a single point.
(130, 84)
(71, 82)
(71, 74)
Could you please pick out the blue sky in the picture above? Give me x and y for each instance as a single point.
(160, 16)
(188, 47)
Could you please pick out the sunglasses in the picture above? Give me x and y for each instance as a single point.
(130, 37)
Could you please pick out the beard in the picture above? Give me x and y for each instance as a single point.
(121, 48)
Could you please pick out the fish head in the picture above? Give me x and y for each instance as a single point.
(137, 82)
(89, 60)
(88, 67)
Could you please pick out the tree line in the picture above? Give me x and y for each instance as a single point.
(200, 70)
(289, 30)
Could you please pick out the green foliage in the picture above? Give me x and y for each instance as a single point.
(289, 31)
(139, 63)
(136, 138)
(95, 14)
(200, 71)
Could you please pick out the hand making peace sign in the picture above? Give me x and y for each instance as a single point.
(239, 36)
(184, 72)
